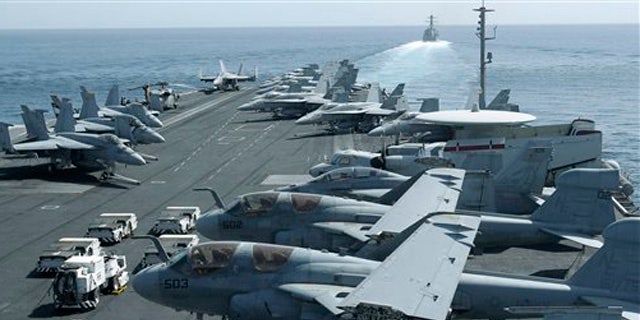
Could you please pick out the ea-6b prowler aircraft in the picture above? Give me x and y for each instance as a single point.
(336, 224)
(90, 152)
(244, 280)
(422, 278)
(226, 80)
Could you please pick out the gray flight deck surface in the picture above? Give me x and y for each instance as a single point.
(209, 143)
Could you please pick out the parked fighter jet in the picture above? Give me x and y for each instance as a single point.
(363, 183)
(496, 181)
(422, 278)
(575, 144)
(226, 80)
(90, 108)
(243, 280)
(299, 80)
(321, 222)
(124, 126)
(89, 152)
(409, 123)
(333, 86)
(360, 116)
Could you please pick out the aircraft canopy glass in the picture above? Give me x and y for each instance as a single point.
(211, 256)
(268, 258)
(111, 138)
(340, 159)
(304, 202)
(259, 203)
(351, 173)
(253, 204)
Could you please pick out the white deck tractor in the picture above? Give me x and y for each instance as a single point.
(81, 280)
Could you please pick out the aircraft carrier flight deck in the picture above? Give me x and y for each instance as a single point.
(209, 143)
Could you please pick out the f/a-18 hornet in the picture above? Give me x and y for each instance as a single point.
(90, 152)
(226, 80)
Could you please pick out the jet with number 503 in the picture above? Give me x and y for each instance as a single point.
(421, 279)
(579, 210)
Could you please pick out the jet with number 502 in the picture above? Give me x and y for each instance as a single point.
(579, 210)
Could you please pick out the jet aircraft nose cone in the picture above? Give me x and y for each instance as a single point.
(387, 129)
(207, 225)
(147, 284)
(247, 106)
(136, 159)
(376, 132)
(155, 137)
(154, 122)
(306, 119)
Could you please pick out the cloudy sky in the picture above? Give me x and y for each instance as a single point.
(48, 14)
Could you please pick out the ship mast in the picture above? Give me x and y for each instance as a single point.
(431, 22)
(481, 34)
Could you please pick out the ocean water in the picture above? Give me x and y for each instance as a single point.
(557, 73)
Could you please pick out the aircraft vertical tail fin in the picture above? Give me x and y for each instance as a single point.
(374, 93)
(522, 176)
(123, 126)
(5, 138)
(34, 123)
(113, 98)
(430, 105)
(240, 70)
(501, 102)
(391, 102)
(501, 98)
(615, 266)
(223, 69)
(65, 121)
(397, 103)
(398, 90)
(89, 106)
(340, 96)
(582, 201)
(154, 103)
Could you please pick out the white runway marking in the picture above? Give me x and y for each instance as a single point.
(242, 151)
(16, 187)
(196, 110)
(50, 207)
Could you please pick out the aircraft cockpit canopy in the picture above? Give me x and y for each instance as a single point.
(254, 204)
(267, 258)
(111, 138)
(212, 256)
(340, 159)
(352, 173)
(303, 203)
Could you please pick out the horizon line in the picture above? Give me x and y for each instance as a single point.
(305, 26)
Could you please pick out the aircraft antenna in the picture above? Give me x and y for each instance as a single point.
(484, 60)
